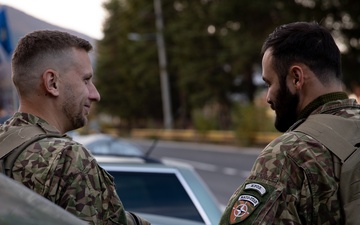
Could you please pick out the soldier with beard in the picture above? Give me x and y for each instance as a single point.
(293, 180)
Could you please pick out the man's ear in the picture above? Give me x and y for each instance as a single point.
(296, 76)
(51, 82)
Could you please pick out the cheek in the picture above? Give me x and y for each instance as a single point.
(268, 96)
(290, 85)
(80, 90)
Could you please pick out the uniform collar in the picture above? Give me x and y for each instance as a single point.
(26, 119)
(321, 100)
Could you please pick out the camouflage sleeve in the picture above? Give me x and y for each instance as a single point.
(65, 173)
(291, 183)
(133, 219)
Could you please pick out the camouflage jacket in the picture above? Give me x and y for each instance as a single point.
(65, 172)
(292, 181)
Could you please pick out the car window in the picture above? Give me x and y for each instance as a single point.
(153, 193)
(100, 147)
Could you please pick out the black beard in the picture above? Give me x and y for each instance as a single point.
(285, 107)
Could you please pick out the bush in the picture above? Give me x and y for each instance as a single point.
(203, 122)
(248, 120)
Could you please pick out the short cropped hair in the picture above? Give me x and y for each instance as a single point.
(35, 50)
(307, 43)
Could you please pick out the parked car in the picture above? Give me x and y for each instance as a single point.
(104, 144)
(161, 191)
(20, 205)
(165, 220)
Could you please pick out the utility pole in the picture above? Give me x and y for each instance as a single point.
(165, 93)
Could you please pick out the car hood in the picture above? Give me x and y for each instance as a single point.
(164, 220)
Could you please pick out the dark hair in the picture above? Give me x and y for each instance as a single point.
(307, 43)
(45, 41)
(35, 50)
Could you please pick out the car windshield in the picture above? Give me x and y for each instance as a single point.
(152, 193)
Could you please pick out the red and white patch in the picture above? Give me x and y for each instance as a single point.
(243, 207)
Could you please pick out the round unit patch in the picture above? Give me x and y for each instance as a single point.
(243, 207)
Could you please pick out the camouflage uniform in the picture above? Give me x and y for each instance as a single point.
(65, 172)
(293, 180)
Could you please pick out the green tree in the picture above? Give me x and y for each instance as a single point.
(212, 46)
(343, 18)
(127, 70)
(193, 55)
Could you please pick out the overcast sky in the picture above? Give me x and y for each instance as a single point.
(84, 16)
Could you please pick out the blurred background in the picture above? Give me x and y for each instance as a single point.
(187, 69)
(180, 80)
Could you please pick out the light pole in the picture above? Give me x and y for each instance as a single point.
(165, 93)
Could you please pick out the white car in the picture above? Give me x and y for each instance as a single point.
(105, 144)
(162, 192)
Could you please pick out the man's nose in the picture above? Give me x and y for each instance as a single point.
(94, 94)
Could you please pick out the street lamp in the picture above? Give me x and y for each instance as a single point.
(165, 93)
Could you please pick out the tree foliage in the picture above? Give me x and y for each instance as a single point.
(212, 46)
(127, 70)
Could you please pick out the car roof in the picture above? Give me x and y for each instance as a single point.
(105, 144)
(86, 139)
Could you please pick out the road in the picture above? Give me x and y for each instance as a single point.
(223, 168)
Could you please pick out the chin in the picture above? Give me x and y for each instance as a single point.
(79, 123)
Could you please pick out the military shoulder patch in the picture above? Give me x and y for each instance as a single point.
(242, 208)
(257, 187)
(250, 199)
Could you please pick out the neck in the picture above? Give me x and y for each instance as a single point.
(45, 113)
